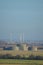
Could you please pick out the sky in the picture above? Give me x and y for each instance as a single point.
(19, 17)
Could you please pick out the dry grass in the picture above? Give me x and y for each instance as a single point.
(40, 53)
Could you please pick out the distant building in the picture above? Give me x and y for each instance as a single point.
(24, 47)
(15, 48)
(34, 48)
(19, 47)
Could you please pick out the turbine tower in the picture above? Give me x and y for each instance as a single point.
(10, 37)
(22, 38)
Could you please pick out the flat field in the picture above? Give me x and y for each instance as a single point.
(13, 53)
(20, 62)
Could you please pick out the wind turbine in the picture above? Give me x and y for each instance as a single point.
(22, 38)
(10, 37)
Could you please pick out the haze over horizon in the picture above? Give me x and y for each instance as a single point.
(21, 16)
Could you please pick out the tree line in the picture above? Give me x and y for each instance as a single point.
(31, 57)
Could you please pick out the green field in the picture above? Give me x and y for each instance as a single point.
(20, 62)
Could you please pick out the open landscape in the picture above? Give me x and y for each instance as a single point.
(21, 53)
(21, 32)
(20, 62)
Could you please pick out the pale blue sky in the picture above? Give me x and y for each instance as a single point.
(21, 16)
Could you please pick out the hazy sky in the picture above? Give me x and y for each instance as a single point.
(21, 16)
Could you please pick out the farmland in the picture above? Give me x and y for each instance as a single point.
(21, 53)
(26, 53)
(20, 62)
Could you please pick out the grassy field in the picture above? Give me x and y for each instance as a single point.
(40, 53)
(20, 62)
